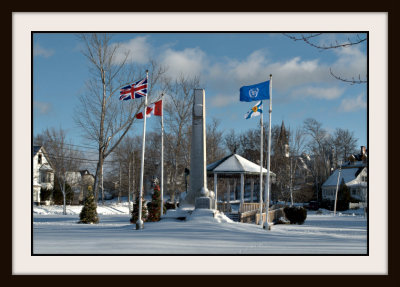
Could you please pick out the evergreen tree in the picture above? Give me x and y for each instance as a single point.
(135, 210)
(57, 194)
(155, 205)
(343, 197)
(89, 211)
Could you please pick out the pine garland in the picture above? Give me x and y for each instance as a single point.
(155, 205)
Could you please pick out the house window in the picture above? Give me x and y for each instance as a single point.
(364, 178)
(45, 177)
(39, 159)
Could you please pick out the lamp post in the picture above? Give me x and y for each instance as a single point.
(291, 182)
(337, 187)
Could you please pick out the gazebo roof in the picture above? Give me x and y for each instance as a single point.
(235, 163)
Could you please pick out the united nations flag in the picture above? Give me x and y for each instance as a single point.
(255, 92)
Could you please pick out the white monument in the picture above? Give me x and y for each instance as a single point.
(198, 193)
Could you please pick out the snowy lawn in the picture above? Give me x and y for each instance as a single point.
(54, 233)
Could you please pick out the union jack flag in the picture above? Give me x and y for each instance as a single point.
(134, 91)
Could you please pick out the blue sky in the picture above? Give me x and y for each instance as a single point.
(302, 85)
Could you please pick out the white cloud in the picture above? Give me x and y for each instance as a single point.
(138, 48)
(330, 93)
(189, 62)
(353, 104)
(42, 107)
(223, 100)
(38, 50)
(257, 68)
(292, 77)
(352, 63)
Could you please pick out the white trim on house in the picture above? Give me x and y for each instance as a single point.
(43, 174)
(355, 177)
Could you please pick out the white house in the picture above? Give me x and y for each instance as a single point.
(43, 173)
(355, 175)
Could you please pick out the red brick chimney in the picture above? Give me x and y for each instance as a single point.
(363, 150)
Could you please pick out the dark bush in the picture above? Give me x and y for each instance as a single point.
(45, 194)
(57, 195)
(295, 214)
(327, 204)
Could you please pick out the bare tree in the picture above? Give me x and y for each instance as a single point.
(62, 157)
(319, 147)
(344, 142)
(231, 141)
(126, 157)
(214, 142)
(104, 119)
(312, 40)
(177, 120)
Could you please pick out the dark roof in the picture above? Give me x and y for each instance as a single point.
(85, 172)
(213, 165)
(358, 171)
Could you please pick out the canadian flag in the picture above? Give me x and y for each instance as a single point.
(152, 109)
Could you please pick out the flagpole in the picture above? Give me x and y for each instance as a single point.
(162, 154)
(266, 225)
(139, 222)
(261, 165)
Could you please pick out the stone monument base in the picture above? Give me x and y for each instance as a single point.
(205, 202)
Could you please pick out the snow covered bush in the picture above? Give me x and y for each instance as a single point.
(171, 205)
(282, 220)
(89, 210)
(295, 214)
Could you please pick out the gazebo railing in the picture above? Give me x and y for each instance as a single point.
(246, 207)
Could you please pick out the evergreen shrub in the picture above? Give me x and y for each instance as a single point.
(45, 194)
(154, 207)
(58, 195)
(295, 214)
(89, 210)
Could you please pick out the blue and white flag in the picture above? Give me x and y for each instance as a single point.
(255, 111)
(255, 92)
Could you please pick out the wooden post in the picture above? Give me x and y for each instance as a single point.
(229, 192)
(241, 189)
(252, 189)
(216, 189)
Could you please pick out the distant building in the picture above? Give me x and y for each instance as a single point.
(355, 175)
(43, 173)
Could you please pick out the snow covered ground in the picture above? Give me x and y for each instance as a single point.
(201, 233)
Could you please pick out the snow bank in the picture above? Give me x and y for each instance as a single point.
(208, 216)
(107, 209)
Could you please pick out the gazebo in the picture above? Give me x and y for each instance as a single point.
(235, 166)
